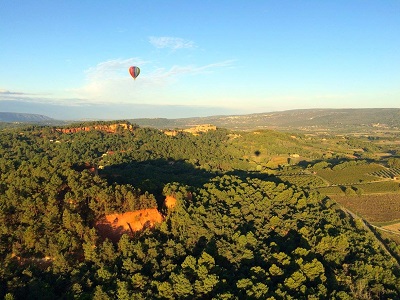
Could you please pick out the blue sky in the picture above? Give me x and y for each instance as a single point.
(70, 59)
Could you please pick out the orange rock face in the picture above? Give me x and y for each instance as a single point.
(112, 128)
(113, 226)
(170, 202)
(136, 220)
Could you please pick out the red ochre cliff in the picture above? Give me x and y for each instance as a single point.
(109, 128)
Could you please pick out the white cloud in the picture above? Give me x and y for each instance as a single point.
(110, 82)
(112, 69)
(173, 43)
(162, 75)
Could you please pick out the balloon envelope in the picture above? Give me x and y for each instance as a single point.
(134, 71)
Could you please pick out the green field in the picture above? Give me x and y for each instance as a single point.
(388, 186)
(351, 174)
(303, 181)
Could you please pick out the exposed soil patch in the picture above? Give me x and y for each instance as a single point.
(170, 202)
(113, 226)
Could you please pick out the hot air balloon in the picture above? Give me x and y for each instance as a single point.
(134, 71)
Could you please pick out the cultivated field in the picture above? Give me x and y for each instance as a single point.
(374, 208)
(351, 174)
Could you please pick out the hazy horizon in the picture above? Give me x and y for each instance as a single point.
(106, 112)
(145, 112)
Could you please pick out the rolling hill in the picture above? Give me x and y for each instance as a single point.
(305, 119)
(338, 120)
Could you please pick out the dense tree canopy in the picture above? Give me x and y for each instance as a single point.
(234, 234)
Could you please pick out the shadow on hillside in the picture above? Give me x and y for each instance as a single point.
(106, 230)
(152, 175)
(254, 175)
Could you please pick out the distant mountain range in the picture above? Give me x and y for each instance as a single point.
(23, 117)
(300, 119)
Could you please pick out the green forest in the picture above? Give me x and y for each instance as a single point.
(253, 217)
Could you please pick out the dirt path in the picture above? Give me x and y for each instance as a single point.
(388, 229)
